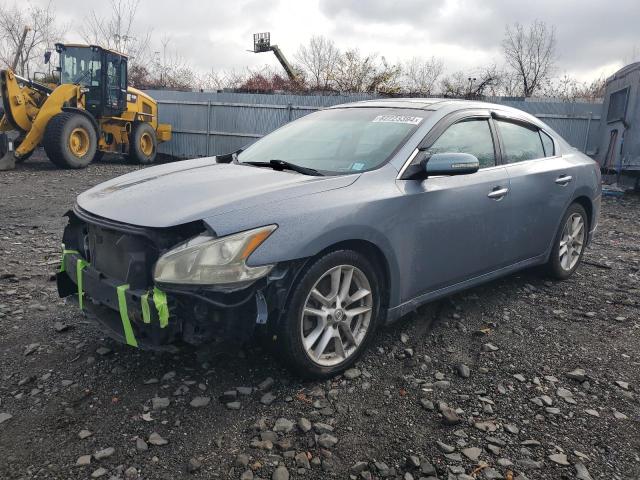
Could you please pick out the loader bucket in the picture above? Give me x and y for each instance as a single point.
(7, 160)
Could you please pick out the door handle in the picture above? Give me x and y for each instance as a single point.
(497, 193)
(563, 180)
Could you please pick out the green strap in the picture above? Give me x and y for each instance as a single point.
(160, 300)
(66, 252)
(124, 316)
(80, 266)
(146, 314)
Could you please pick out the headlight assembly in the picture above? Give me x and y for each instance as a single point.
(205, 260)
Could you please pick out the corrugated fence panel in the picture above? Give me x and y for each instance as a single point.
(213, 123)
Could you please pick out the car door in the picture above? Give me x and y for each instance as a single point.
(459, 221)
(542, 184)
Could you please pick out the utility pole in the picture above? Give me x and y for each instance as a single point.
(14, 64)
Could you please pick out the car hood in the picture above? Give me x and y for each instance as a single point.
(186, 191)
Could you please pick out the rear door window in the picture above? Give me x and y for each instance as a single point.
(519, 142)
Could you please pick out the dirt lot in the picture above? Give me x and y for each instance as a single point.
(74, 404)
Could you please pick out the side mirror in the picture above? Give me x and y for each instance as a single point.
(451, 164)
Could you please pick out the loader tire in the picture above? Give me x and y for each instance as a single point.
(70, 140)
(143, 144)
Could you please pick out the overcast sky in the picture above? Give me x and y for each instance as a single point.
(594, 37)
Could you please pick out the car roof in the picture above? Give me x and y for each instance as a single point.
(431, 104)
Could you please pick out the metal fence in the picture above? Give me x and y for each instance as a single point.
(213, 123)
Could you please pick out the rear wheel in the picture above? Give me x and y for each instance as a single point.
(142, 144)
(569, 243)
(70, 140)
(331, 315)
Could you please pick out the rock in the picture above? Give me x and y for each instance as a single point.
(427, 404)
(267, 399)
(449, 415)
(244, 390)
(280, 473)
(83, 460)
(592, 412)
(321, 428)
(266, 384)
(283, 425)
(242, 460)
(444, 447)
(29, 349)
(327, 440)
(304, 424)
(156, 439)
(552, 410)
(514, 430)
(105, 453)
(198, 402)
(247, 475)
(489, 347)
(4, 416)
(519, 377)
(577, 374)
(486, 426)
(427, 469)
(463, 370)
(559, 458)
(168, 376)
(84, 434)
(99, 472)
(454, 457)
(620, 383)
(141, 445)
(194, 465)
(472, 453)
(102, 351)
(158, 403)
(358, 467)
(581, 472)
(619, 415)
(234, 405)
(60, 327)
(302, 460)
(352, 373)
(491, 474)
(131, 473)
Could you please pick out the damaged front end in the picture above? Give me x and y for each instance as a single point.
(109, 267)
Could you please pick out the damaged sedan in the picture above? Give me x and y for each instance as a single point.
(328, 228)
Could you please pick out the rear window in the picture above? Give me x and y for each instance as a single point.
(519, 142)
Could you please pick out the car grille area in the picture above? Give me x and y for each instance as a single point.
(119, 255)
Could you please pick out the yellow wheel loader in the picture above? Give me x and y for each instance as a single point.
(90, 112)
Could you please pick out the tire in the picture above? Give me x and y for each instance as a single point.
(143, 144)
(70, 140)
(296, 326)
(563, 262)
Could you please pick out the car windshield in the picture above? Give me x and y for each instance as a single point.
(338, 140)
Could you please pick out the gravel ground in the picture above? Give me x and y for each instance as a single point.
(520, 378)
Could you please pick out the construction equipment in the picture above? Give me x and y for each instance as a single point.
(89, 112)
(262, 43)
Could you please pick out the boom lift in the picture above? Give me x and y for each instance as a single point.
(89, 112)
(262, 43)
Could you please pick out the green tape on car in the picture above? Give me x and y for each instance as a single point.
(160, 301)
(144, 303)
(81, 264)
(124, 316)
(66, 252)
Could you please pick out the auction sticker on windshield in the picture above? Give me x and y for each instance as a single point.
(398, 119)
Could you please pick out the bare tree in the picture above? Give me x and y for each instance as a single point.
(421, 75)
(569, 89)
(318, 60)
(43, 32)
(530, 53)
(478, 83)
(357, 73)
(118, 31)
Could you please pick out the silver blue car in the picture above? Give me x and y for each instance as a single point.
(329, 227)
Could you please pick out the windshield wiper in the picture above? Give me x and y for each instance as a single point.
(280, 165)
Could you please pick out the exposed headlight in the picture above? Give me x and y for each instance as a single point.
(205, 260)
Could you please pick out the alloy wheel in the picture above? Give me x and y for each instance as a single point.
(336, 315)
(572, 241)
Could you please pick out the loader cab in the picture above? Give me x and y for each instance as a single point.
(102, 73)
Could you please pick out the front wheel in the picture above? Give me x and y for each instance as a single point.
(331, 315)
(70, 140)
(569, 243)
